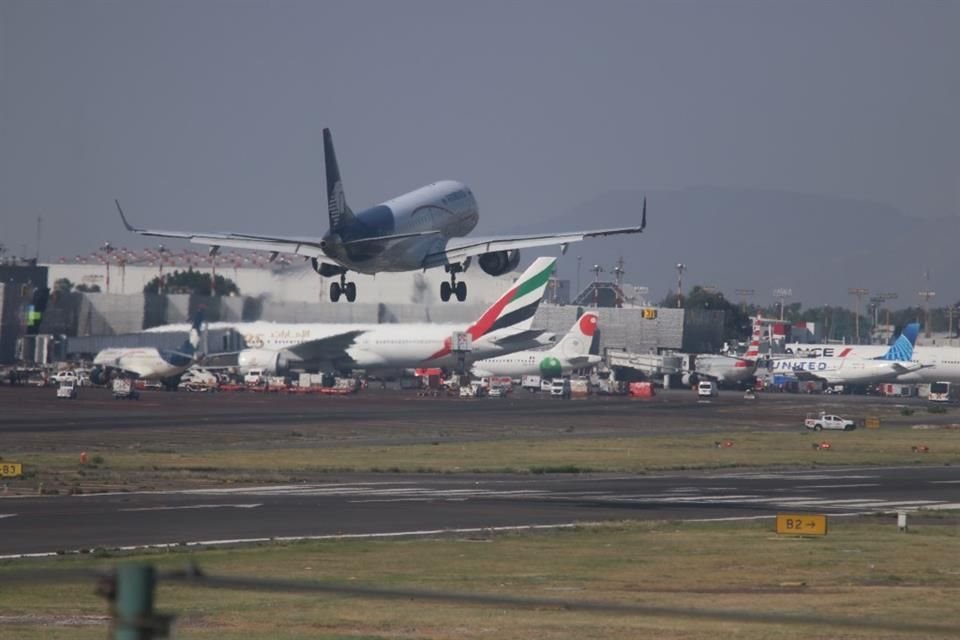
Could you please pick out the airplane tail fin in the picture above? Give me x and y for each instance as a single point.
(337, 207)
(193, 343)
(515, 309)
(753, 351)
(578, 340)
(902, 348)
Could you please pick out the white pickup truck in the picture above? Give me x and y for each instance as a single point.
(829, 421)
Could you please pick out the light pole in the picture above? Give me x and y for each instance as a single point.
(743, 294)
(579, 260)
(597, 270)
(781, 295)
(107, 251)
(926, 295)
(859, 292)
(680, 269)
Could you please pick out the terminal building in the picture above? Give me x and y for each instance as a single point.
(98, 300)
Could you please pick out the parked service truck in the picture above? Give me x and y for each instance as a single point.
(530, 382)
(123, 389)
(829, 421)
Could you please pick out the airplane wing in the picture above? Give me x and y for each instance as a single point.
(295, 245)
(459, 249)
(808, 376)
(303, 246)
(329, 349)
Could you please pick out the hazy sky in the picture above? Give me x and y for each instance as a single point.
(208, 115)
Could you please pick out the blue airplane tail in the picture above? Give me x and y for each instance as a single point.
(193, 341)
(902, 348)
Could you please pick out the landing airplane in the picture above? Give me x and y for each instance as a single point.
(422, 229)
(149, 363)
(572, 352)
(505, 327)
(896, 362)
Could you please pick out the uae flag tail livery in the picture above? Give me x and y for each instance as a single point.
(514, 310)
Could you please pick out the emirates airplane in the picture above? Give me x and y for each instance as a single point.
(421, 229)
(505, 327)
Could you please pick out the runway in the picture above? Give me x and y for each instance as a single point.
(371, 505)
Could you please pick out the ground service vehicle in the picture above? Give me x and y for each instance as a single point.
(560, 388)
(67, 389)
(707, 389)
(530, 382)
(123, 389)
(940, 392)
(829, 421)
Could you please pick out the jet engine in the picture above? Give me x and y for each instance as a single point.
(497, 263)
(99, 376)
(324, 269)
(273, 363)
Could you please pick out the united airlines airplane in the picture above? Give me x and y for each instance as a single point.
(422, 229)
(889, 367)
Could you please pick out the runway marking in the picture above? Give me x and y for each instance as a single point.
(7, 515)
(196, 506)
(841, 486)
(337, 536)
(945, 482)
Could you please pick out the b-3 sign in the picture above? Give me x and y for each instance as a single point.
(801, 525)
(11, 469)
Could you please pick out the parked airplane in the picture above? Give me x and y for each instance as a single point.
(422, 229)
(729, 370)
(149, 363)
(856, 370)
(936, 364)
(572, 352)
(505, 327)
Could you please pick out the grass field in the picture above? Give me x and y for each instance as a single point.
(144, 468)
(862, 569)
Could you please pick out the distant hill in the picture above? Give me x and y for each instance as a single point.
(818, 246)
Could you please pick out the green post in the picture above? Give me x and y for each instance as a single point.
(134, 605)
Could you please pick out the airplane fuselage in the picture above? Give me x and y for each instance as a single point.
(447, 208)
(144, 362)
(838, 370)
(933, 363)
(375, 346)
(531, 363)
(724, 369)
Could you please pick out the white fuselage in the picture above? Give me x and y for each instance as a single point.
(143, 362)
(531, 363)
(376, 346)
(932, 364)
(728, 370)
(848, 370)
(447, 208)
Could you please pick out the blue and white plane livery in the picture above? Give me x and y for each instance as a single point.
(897, 361)
(422, 229)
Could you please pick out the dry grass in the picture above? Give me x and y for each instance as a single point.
(134, 469)
(862, 569)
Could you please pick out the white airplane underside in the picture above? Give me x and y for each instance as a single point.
(423, 229)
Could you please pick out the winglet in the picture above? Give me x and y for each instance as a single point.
(129, 226)
(643, 218)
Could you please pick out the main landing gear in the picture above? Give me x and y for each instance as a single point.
(458, 289)
(348, 289)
